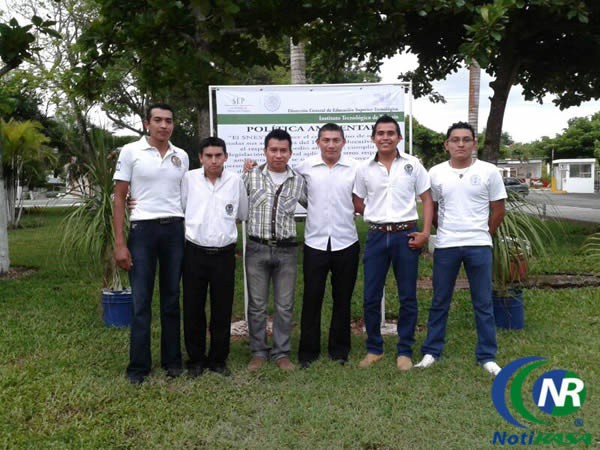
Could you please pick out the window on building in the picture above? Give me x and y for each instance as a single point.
(580, 171)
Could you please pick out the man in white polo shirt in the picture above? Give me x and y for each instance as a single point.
(152, 168)
(330, 245)
(385, 193)
(469, 207)
(213, 199)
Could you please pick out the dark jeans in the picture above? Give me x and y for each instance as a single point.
(343, 265)
(151, 242)
(383, 249)
(477, 261)
(201, 270)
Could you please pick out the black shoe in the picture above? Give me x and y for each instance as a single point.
(221, 370)
(135, 379)
(174, 372)
(340, 361)
(195, 371)
(306, 364)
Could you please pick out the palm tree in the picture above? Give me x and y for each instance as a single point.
(24, 145)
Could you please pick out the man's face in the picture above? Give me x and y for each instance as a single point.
(212, 159)
(331, 143)
(386, 138)
(278, 153)
(160, 125)
(460, 144)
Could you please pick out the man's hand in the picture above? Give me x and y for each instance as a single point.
(417, 240)
(249, 164)
(123, 258)
(131, 203)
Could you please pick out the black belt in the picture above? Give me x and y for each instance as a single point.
(212, 250)
(274, 242)
(161, 220)
(392, 227)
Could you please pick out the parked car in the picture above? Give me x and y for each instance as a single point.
(514, 184)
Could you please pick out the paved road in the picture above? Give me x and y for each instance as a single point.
(576, 207)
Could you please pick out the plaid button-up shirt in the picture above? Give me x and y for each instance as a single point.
(270, 208)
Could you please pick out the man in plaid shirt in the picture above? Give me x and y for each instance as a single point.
(274, 189)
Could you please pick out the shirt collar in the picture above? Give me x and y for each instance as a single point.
(398, 155)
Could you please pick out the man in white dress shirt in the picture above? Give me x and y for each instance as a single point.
(330, 245)
(469, 207)
(213, 199)
(385, 193)
(152, 168)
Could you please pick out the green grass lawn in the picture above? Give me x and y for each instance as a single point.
(62, 382)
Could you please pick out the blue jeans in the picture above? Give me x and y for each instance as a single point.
(383, 249)
(477, 261)
(263, 264)
(151, 242)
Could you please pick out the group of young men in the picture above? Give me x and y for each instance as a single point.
(186, 221)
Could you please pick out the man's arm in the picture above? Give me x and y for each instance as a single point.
(121, 252)
(434, 221)
(419, 238)
(496, 215)
(359, 204)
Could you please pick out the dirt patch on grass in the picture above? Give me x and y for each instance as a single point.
(544, 281)
(17, 272)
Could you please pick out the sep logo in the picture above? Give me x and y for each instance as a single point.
(556, 392)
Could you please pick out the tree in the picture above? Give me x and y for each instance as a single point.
(547, 46)
(24, 144)
(16, 44)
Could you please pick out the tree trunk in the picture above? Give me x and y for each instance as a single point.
(501, 86)
(297, 63)
(204, 122)
(4, 255)
(474, 83)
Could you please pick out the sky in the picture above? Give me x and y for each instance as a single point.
(524, 121)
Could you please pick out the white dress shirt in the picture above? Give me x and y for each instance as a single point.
(391, 197)
(330, 211)
(211, 210)
(155, 182)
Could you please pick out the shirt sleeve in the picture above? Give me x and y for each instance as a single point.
(422, 181)
(497, 189)
(435, 194)
(124, 167)
(360, 185)
(184, 190)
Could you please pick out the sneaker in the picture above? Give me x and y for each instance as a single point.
(492, 368)
(221, 370)
(256, 363)
(370, 359)
(135, 379)
(306, 363)
(403, 363)
(427, 361)
(174, 372)
(285, 364)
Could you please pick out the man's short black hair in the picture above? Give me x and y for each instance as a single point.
(461, 126)
(212, 141)
(386, 119)
(280, 135)
(331, 127)
(158, 106)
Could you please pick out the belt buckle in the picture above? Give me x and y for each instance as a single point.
(389, 227)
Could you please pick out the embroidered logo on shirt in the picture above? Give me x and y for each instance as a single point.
(229, 209)
(176, 161)
(475, 180)
(408, 168)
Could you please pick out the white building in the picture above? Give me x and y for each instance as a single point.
(525, 170)
(574, 175)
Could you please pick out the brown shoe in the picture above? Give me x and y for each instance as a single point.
(370, 359)
(404, 363)
(285, 363)
(256, 363)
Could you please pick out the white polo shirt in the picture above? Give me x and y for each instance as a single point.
(330, 211)
(391, 197)
(464, 202)
(155, 181)
(211, 210)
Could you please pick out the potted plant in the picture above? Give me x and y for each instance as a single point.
(88, 229)
(521, 235)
